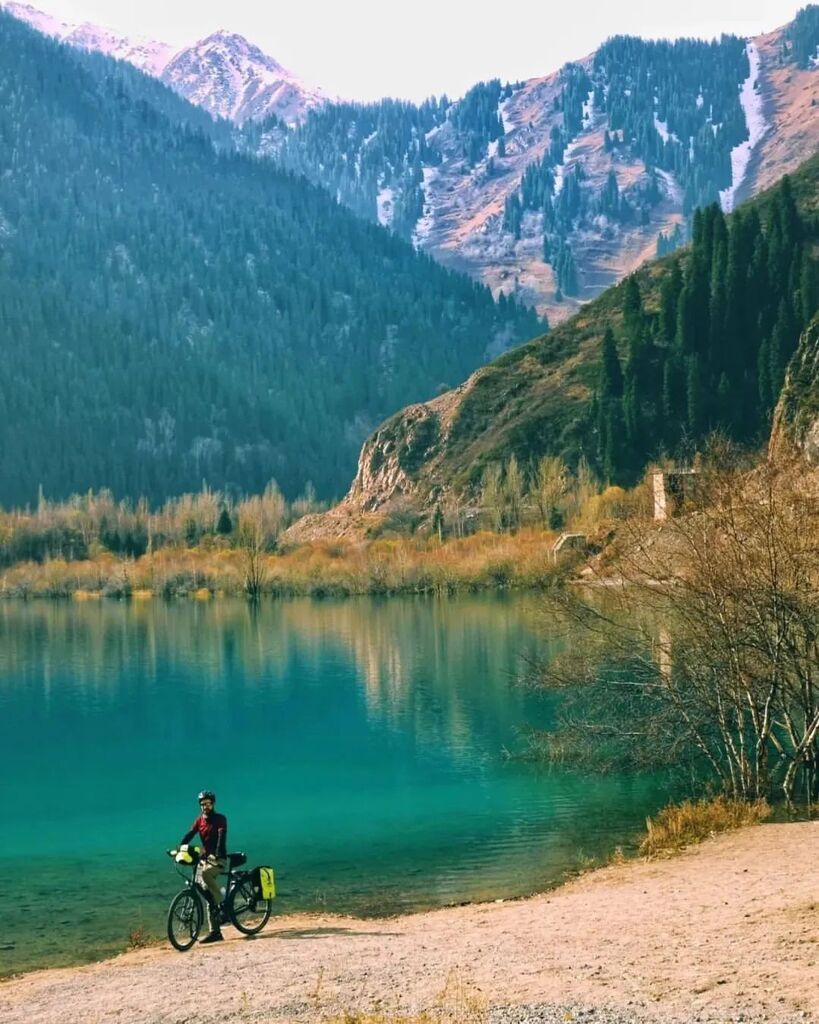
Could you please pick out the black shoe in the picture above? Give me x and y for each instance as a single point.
(215, 936)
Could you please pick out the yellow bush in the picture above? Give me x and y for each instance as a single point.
(680, 825)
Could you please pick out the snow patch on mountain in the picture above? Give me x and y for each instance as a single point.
(672, 187)
(560, 169)
(385, 207)
(506, 120)
(559, 173)
(425, 222)
(750, 98)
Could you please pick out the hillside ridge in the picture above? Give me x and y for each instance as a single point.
(549, 396)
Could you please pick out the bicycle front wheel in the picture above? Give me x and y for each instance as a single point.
(184, 920)
(248, 911)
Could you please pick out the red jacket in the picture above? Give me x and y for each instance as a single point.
(213, 831)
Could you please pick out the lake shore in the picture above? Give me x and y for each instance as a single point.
(726, 930)
(401, 565)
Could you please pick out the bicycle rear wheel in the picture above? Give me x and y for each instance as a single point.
(246, 910)
(184, 920)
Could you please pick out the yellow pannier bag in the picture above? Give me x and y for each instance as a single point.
(267, 883)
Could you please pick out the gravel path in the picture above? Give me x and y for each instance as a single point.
(728, 931)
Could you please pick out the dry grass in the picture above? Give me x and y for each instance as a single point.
(138, 938)
(460, 1002)
(681, 825)
(322, 568)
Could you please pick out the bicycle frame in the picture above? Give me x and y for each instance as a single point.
(192, 883)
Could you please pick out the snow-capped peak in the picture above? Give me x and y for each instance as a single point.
(231, 77)
(224, 73)
(38, 20)
(148, 55)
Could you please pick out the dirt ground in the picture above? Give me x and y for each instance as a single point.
(726, 929)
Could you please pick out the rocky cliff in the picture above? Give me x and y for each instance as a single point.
(796, 421)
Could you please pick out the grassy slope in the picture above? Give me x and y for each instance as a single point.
(527, 400)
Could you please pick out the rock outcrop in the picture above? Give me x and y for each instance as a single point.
(396, 469)
(796, 420)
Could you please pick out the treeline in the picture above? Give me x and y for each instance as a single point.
(668, 243)
(800, 42)
(203, 544)
(692, 88)
(478, 120)
(713, 356)
(171, 312)
(356, 150)
(87, 525)
(544, 494)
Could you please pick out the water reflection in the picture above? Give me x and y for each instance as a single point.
(358, 745)
(390, 644)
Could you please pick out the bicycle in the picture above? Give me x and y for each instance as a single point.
(243, 905)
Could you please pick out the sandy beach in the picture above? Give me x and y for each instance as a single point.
(728, 930)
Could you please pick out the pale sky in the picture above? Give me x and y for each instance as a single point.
(365, 49)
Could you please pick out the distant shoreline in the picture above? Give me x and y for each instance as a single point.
(389, 566)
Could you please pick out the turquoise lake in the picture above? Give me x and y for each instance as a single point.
(361, 747)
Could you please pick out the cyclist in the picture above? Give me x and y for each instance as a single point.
(212, 829)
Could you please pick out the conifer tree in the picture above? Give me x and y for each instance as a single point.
(695, 397)
(224, 524)
(632, 307)
(669, 299)
(610, 384)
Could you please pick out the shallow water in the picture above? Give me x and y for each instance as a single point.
(359, 746)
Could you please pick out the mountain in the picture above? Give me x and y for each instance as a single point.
(551, 189)
(697, 341)
(148, 55)
(224, 73)
(555, 188)
(172, 311)
(232, 78)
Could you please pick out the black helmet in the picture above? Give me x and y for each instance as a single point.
(207, 794)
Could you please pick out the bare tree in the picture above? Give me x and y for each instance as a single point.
(581, 489)
(549, 485)
(492, 495)
(513, 494)
(710, 650)
(260, 522)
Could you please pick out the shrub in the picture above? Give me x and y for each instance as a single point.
(681, 825)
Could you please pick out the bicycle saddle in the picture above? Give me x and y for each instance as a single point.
(237, 859)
